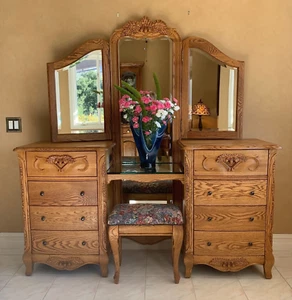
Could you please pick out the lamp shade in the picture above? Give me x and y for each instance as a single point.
(200, 109)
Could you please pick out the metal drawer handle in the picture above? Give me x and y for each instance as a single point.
(209, 219)
(83, 243)
(209, 244)
(82, 218)
(251, 219)
(82, 193)
(250, 244)
(128, 131)
(251, 193)
(44, 243)
(209, 193)
(43, 218)
(42, 193)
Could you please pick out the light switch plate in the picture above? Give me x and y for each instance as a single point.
(13, 124)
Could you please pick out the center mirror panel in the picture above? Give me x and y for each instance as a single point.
(139, 49)
(212, 92)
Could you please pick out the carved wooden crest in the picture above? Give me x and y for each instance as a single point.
(144, 27)
(68, 263)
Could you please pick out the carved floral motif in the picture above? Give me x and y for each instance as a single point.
(144, 27)
(229, 264)
(69, 263)
(231, 161)
(61, 161)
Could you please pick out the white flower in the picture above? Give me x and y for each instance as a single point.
(176, 108)
(125, 116)
(157, 124)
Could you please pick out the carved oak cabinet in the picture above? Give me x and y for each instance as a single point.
(63, 188)
(229, 203)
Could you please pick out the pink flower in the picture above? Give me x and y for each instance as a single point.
(135, 119)
(146, 100)
(167, 104)
(153, 107)
(136, 125)
(138, 109)
(147, 132)
(146, 119)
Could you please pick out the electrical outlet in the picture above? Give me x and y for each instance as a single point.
(13, 124)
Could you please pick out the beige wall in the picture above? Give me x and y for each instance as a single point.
(35, 32)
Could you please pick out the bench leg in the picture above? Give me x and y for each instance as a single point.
(114, 241)
(177, 239)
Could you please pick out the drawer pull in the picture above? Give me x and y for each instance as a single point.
(43, 218)
(83, 243)
(209, 244)
(250, 244)
(82, 193)
(128, 131)
(251, 193)
(44, 243)
(42, 193)
(251, 219)
(209, 219)
(209, 193)
(82, 218)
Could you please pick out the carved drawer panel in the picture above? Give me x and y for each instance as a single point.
(222, 218)
(229, 243)
(61, 164)
(65, 242)
(63, 218)
(230, 162)
(236, 192)
(62, 193)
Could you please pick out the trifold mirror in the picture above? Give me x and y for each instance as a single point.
(79, 94)
(208, 84)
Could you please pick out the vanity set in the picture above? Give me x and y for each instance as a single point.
(223, 184)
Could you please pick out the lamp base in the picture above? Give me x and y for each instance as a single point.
(200, 123)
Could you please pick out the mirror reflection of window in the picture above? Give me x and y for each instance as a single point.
(79, 90)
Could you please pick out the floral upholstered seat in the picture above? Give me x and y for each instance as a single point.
(135, 187)
(145, 214)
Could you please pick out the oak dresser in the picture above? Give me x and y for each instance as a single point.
(229, 203)
(63, 188)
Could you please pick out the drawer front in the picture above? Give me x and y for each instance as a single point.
(231, 162)
(62, 193)
(235, 192)
(61, 164)
(126, 130)
(63, 218)
(222, 218)
(65, 242)
(229, 243)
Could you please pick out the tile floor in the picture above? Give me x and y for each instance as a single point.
(146, 274)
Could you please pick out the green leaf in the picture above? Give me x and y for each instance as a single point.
(157, 86)
(123, 91)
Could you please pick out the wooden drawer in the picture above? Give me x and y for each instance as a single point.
(237, 192)
(126, 131)
(65, 242)
(226, 218)
(230, 162)
(61, 164)
(63, 218)
(229, 243)
(62, 193)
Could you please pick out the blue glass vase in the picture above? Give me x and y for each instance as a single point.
(147, 154)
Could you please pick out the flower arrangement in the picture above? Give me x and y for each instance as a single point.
(146, 109)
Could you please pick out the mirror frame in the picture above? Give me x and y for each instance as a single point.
(91, 45)
(144, 28)
(207, 47)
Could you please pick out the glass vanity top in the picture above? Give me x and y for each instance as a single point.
(164, 165)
